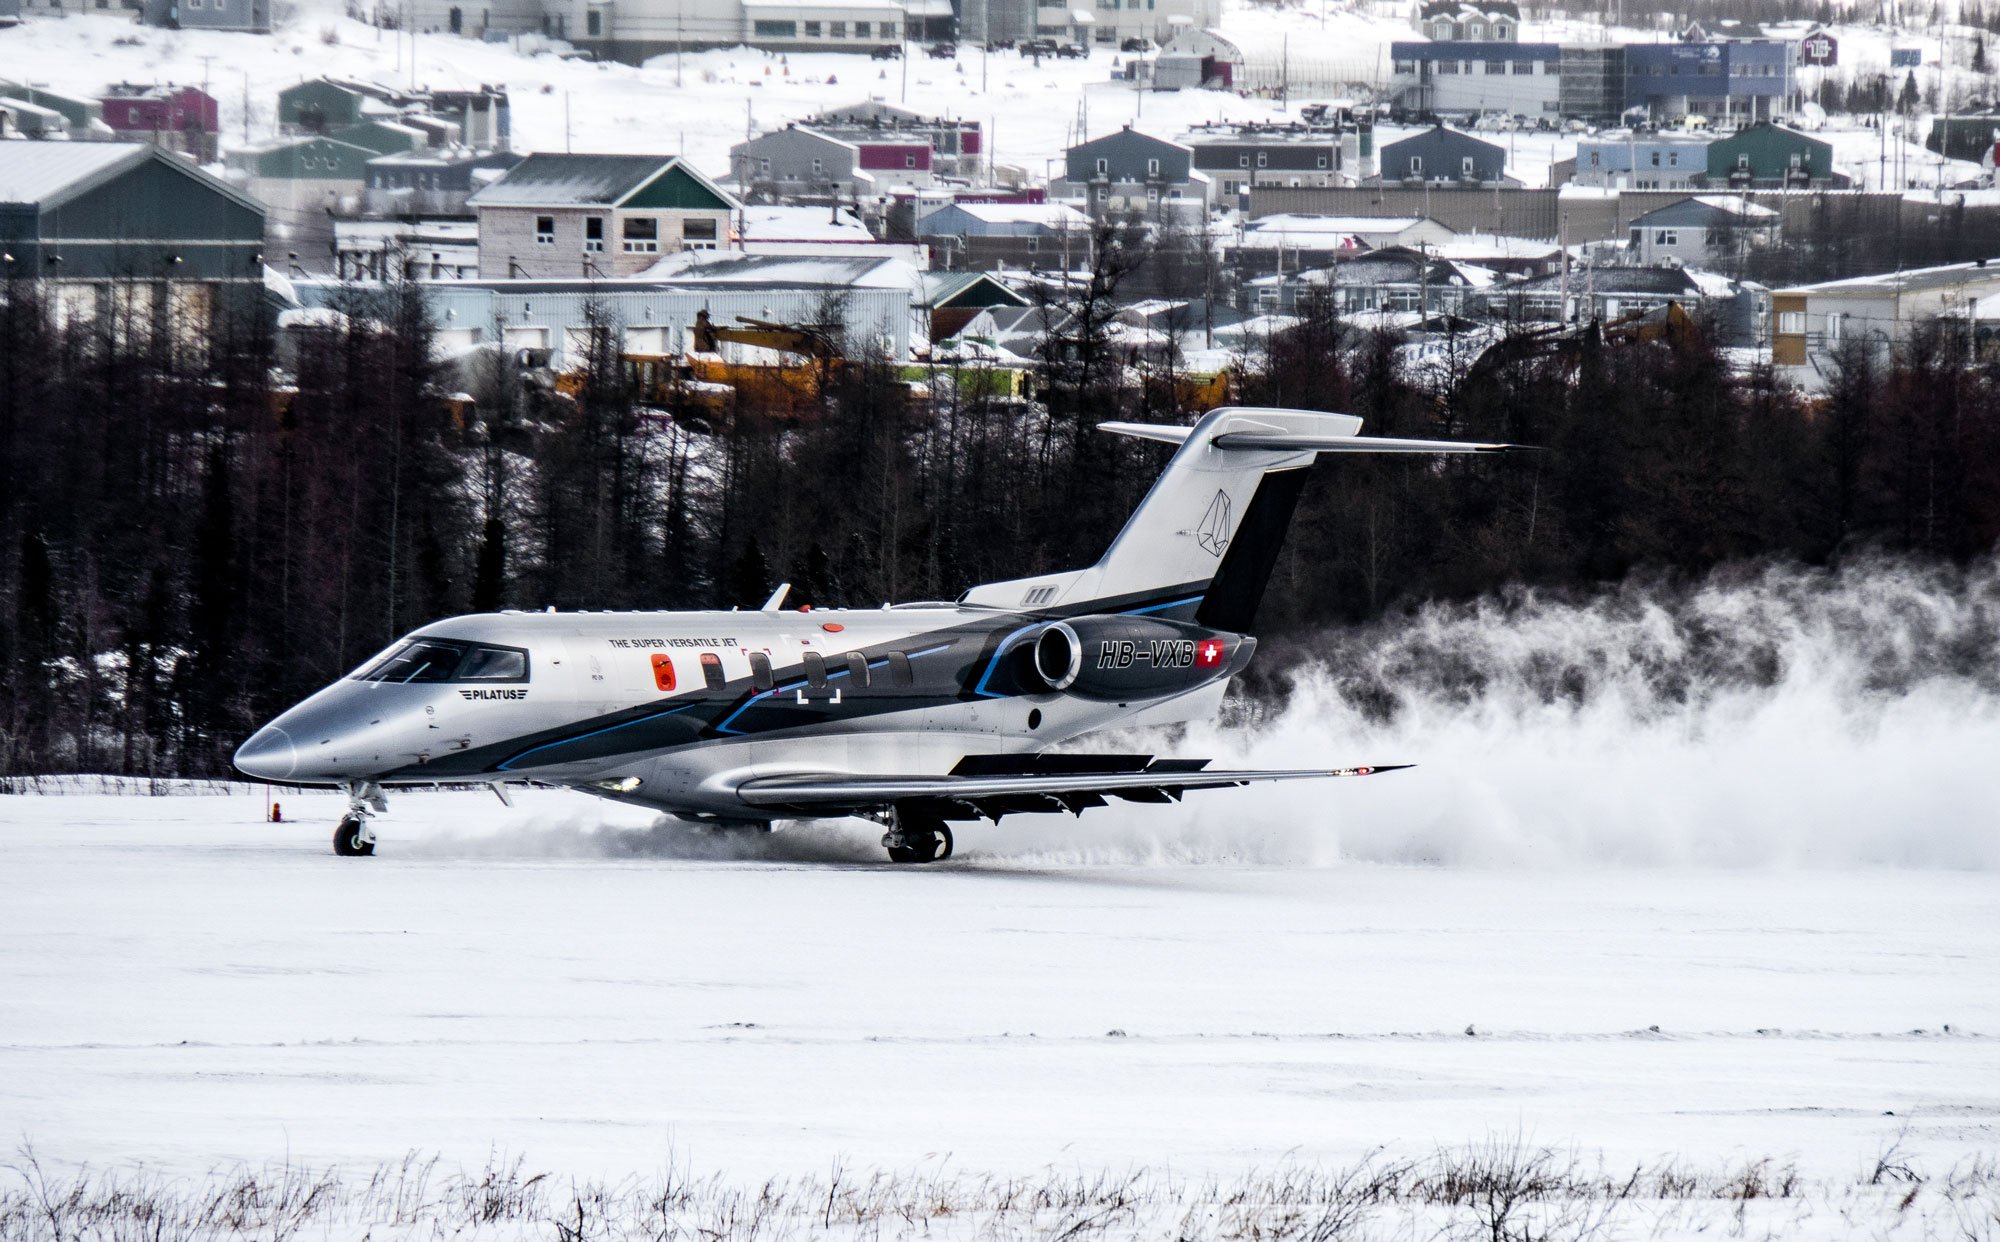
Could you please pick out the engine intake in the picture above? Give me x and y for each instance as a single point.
(1124, 657)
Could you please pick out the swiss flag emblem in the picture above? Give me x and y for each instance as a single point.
(1208, 653)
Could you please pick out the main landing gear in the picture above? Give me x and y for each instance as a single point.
(353, 838)
(917, 837)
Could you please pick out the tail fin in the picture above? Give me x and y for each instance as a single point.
(1202, 544)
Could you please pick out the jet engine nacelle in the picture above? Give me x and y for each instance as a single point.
(1121, 658)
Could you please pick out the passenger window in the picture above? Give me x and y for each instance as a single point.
(816, 670)
(899, 669)
(760, 671)
(711, 670)
(857, 669)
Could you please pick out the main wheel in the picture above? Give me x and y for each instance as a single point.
(348, 841)
(923, 845)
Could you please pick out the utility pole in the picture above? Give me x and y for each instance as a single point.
(246, 107)
(680, 39)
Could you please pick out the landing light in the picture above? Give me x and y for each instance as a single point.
(623, 785)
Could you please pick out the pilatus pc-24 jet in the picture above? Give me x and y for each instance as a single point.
(912, 715)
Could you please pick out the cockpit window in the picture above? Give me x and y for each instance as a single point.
(439, 659)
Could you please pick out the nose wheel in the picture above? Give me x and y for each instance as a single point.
(353, 837)
(915, 837)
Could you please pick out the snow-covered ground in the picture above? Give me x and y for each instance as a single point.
(185, 984)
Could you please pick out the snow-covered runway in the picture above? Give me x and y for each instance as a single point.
(184, 984)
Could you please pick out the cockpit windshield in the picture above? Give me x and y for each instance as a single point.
(442, 659)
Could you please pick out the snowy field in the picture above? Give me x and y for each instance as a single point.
(1698, 893)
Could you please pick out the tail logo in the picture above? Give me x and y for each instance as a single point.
(1213, 531)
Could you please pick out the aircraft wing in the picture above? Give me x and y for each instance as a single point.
(991, 786)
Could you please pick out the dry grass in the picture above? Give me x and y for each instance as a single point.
(1499, 1190)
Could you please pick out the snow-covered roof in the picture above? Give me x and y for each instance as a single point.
(1051, 215)
(785, 271)
(1911, 281)
(1299, 224)
(774, 223)
(33, 173)
(548, 179)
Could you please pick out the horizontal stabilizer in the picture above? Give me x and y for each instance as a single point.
(991, 796)
(1165, 433)
(1284, 442)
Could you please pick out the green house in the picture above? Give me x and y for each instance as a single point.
(305, 159)
(90, 216)
(1767, 156)
(381, 137)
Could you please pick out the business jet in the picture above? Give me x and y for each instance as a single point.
(913, 715)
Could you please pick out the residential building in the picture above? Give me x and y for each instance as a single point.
(1705, 231)
(1767, 156)
(1729, 82)
(406, 249)
(303, 177)
(484, 116)
(383, 137)
(323, 105)
(1448, 21)
(1810, 324)
(957, 146)
(1280, 243)
(1236, 157)
(989, 236)
(1441, 156)
(1470, 78)
(180, 118)
(118, 229)
(1642, 162)
(1609, 292)
(1973, 138)
(796, 162)
(951, 300)
(430, 182)
(251, 16)
(878, 302)
(1128, 172)
(83, 119)
(562, 216)
(21, 119)
(1392, 280)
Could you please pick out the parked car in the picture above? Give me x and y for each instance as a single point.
(1072, 51)
(943, 51)
(1000, 45)
(1039, 47)
(1135, 45)
(888, 51)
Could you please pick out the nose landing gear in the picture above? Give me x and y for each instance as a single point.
(917, 837)
(353, 838)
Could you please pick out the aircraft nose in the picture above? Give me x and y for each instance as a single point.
(268, 756)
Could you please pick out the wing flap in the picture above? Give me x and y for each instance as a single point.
(1028, 790)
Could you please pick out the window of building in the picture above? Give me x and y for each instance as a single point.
(1406, 66)
(545, 230)
(593, 235)
(909, 161)
(1104, 166)
(1635, 239)
(1674, 159)
(767, 29)
(1524, 68)
(1596, 158)
(861, 30)
(711, 671)
(1656, 159)
(1447, 66)
(1666, 237)
(593, 23)
(701, 228)
(836, 30)
(1153, 166)
(760, 671)
(1834, 324)
(1502, 31)
(1465, 168)
(1322, 161)
(1792, 323)
(819, 166)
(1243, 161)
(1416, 164)
(642, 235)
(812, 30)
(1743, 162)
(889, 32)
(1798, 160)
